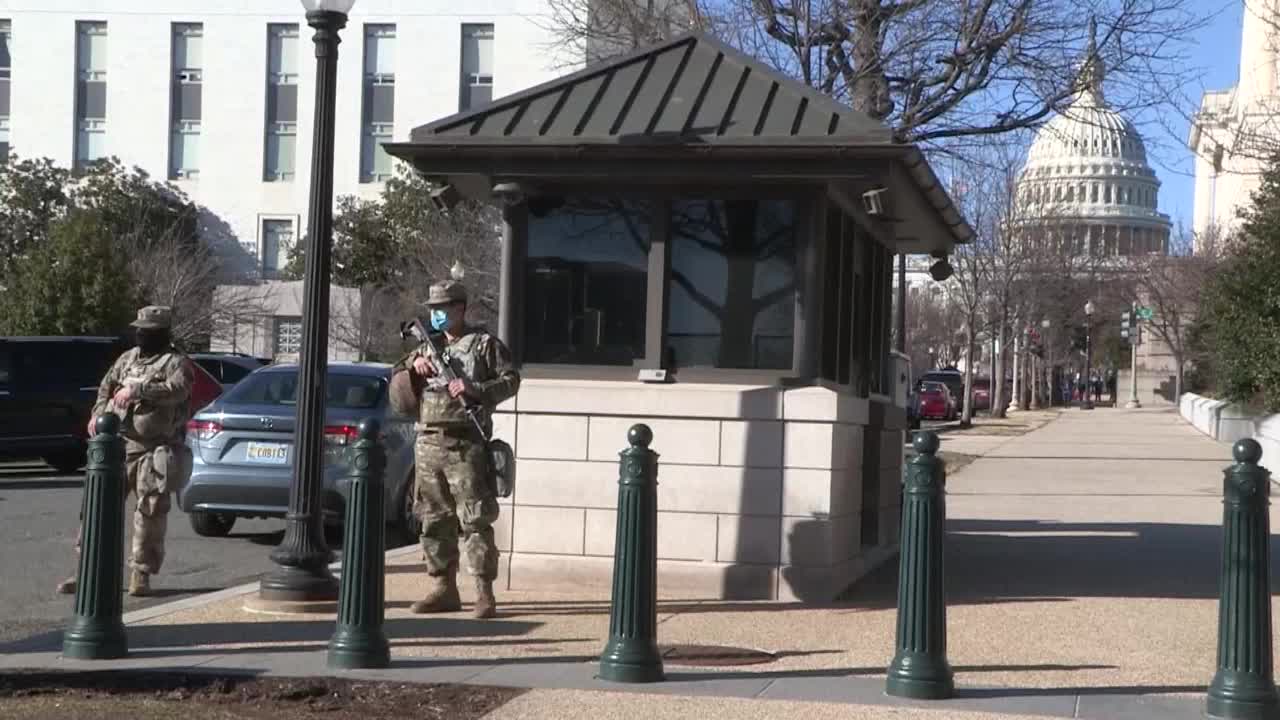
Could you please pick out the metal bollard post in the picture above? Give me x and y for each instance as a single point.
(631, 655)
(359, 641)
(1244, 685)
(97, 630)
(919, 669)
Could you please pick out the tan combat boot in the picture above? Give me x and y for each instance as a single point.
(68, 586)
(139, 583)
(442, 595)
(486, 606)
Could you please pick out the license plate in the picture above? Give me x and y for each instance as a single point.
(267, 453)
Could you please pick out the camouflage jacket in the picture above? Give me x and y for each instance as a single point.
(481, 358)
(160, 409)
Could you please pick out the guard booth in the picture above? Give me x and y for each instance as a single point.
(697, 242)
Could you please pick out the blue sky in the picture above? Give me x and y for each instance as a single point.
(1214, 64)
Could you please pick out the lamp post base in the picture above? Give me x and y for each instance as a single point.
(1133, 405)
(289, 584)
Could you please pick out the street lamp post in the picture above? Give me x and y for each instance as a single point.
(1087, 401)
(303, 558)
(1047, 365)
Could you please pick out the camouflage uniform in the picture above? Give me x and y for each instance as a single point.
(157, 460)
(454, 494)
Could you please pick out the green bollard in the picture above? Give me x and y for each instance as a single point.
(97, 630)
(1244, 685)
(919, 669)
(359, 641)
(631, 655)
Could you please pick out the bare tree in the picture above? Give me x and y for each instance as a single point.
(935, 71)
(172, 269)
(1171, 287)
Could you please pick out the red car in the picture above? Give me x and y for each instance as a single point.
(935, 402)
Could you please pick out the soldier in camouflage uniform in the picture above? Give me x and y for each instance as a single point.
(149, 388)
(454, 493)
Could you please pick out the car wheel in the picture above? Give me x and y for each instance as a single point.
(66, 462)
(207, 524)
(408, 528)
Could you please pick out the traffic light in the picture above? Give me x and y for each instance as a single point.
(1126, 320)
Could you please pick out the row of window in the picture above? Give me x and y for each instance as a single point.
(723, 276)
(281, 122)
(1106, 193)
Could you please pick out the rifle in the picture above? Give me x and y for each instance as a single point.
(435, 353)
(501, 454)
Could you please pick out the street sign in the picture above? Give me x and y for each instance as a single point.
(1144, 313)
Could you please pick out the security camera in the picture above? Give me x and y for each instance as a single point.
(509, 193)
(872, 202)
(445, 198)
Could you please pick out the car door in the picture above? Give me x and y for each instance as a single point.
(10, 419)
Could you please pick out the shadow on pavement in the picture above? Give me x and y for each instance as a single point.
(993, 561)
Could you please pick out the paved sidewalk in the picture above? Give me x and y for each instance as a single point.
(1082, 582)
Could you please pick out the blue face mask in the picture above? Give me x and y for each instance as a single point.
(439, 320)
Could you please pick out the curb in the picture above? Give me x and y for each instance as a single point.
(155, 611)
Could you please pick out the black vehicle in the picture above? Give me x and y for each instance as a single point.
(952, 378)
(48, 386)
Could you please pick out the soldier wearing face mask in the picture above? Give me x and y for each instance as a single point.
(454, 497)
(149, 389)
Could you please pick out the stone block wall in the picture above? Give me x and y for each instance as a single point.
(760, 488)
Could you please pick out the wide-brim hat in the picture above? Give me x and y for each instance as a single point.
(154, 317)
(446, 292)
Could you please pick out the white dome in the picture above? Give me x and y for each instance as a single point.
(1087, 184)
(1088, 131)
(1088, 167)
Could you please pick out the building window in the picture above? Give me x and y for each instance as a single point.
(732, 297)
(587, 264)
(91, 92)
(476, 87)
(379, 102)
(277, 241)
(184, 142)
(6, 66)
(288, 335)
(282, 102)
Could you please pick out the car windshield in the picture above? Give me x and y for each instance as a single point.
(352, 392)
(933, 388)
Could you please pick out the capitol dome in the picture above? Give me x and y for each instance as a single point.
(1087, 172)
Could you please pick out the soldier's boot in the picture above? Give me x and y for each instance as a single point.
(68, 586)
(139, 583)
(442, 595)
(486, 606)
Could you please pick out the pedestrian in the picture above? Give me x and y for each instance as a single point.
(1111, 385)
(455, 497)
(149, 389)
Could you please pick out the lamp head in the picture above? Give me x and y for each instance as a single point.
(941, 270)
(1088, 308)
(338, 6)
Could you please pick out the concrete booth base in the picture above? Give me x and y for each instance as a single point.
(763, 491)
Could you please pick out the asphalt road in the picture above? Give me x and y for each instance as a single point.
(38, 515)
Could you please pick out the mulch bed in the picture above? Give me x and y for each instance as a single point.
(243, 696)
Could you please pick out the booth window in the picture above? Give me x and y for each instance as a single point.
(586, 275)
(732, 284)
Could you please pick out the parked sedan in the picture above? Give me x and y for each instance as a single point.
(935, 402)
(244, 451)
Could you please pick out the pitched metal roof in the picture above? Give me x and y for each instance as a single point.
(692, 88)
(690, 98)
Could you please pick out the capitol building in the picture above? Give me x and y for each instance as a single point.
(1087, 187)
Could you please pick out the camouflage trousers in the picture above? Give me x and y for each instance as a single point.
(455, 501)
(147, 477)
